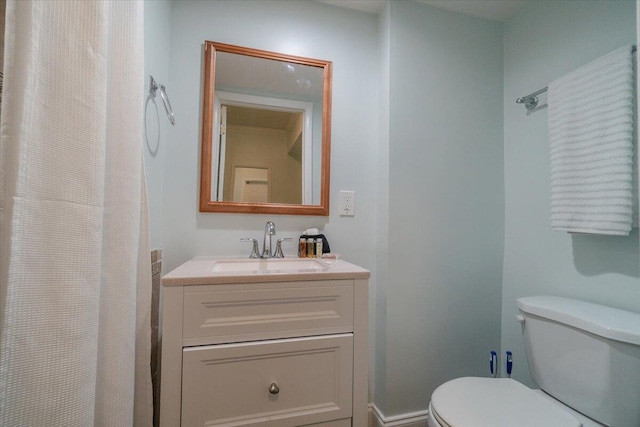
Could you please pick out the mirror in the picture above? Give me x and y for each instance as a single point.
(266, 132)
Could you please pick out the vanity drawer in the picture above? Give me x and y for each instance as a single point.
(228, 385)
(338, 423)
(236, 313)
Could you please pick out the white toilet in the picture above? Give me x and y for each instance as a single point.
(585, 358)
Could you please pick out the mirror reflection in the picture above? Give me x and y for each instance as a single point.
(260, 156)
(271, 134)
(266, 125)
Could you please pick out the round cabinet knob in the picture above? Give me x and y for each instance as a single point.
(274, 389)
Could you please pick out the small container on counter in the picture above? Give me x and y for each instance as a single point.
(311, 248)
(302, 248)
(319, 248)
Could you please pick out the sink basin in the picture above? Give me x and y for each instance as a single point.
(269, 265)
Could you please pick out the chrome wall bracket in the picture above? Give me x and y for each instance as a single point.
(530, 102)
(153, 89)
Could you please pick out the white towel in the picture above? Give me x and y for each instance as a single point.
(591, 139)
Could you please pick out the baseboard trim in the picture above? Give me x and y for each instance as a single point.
(412, 419)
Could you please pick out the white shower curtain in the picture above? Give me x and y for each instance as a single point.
(75, 279)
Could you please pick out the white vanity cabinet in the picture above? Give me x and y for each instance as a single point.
(264, 349)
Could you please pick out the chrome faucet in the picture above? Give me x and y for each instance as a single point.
(269, 230)
(267, 252)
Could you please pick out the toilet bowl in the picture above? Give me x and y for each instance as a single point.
(499, 402)
(576, 352)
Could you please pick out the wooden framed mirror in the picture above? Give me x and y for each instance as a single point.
(266, 132)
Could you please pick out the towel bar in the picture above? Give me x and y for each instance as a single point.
(531, 101)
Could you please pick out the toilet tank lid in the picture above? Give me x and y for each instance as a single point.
(607, 322)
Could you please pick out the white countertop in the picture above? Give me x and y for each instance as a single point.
(200, 271)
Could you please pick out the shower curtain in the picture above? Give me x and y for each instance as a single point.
(75, 281)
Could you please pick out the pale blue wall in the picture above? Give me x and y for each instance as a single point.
(445, 205)
(379, 361)
(307, 28)
(450, 174)
(157, 30)
(543, 42)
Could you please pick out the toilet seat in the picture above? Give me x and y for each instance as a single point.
(495, 402)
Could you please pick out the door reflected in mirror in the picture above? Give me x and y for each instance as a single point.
(269, 133)
(269, 144)
(265, 132)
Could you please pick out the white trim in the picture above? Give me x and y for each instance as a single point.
(411, 419)
(217, 183)
(370, 409)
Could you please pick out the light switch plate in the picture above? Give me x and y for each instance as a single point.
(347, 203)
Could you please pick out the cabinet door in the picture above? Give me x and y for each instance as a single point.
(279, 383)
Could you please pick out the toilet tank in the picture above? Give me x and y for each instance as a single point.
(585, 355)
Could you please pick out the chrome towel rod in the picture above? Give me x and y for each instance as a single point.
(531, 101)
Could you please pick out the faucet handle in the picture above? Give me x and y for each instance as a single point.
(279, 253)
(254, 249)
